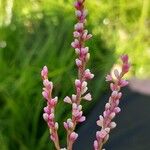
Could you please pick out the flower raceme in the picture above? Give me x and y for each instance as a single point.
(81, 35)
(49, 110)
(111, 108)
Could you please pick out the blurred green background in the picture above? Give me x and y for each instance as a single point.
(34, 33)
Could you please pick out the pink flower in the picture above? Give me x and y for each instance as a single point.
(75, 44)
(44, 72)
(48, 114)
(124, 58)
(87, 97)
(68, 100)
(79, 27)
(88, 75)
(73, 136)
(111, 107)
(84, 50)
(78, 13)
(109, 78)
(78, 62)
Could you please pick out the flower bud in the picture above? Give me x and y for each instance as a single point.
(79, 26)
(73, 136)
(113, 125)
(124, 58)
(88, 75)
(84, 50)
(78, 62)
(44, 72)
(116, 73)
(56, 125)
(45, 95)
(87, 97)
(77, 83)
(67, 100)
(96, 145)
(45, 116)
(78, 13)
(81, 119)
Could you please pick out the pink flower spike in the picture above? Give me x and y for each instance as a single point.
(111, 107)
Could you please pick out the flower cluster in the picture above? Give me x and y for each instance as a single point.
(111, 108)
(49, 110)
(81, 35)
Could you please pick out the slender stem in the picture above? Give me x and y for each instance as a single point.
(57, 145)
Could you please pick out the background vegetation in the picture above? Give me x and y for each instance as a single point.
(38, 32)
